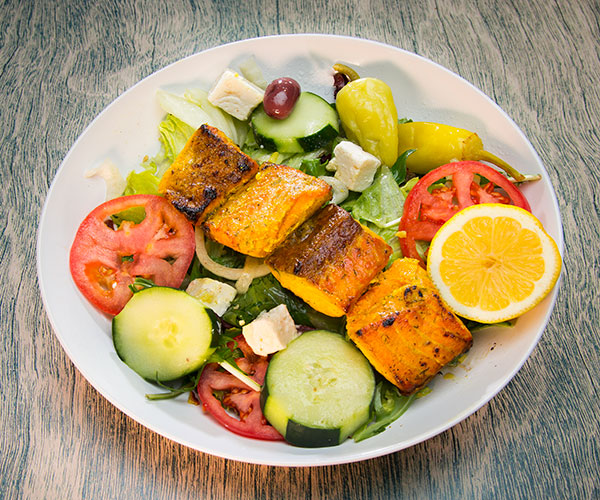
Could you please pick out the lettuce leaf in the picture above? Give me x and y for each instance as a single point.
(382, 202)
(380, 207)
(174, 133)
(194, 109)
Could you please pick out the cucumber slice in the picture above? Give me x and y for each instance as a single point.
(318, 390)
(163, 334)
(312, 124)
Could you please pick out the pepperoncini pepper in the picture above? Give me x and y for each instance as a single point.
(368, 115)
(438, 144)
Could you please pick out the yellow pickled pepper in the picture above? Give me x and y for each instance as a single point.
(437, 144)
(368, 114)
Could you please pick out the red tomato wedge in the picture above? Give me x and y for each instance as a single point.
(105, 260)
(237, 397)
(425, 212)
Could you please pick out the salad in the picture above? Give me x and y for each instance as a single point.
(193, 301)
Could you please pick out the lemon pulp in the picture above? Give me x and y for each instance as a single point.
(493, 262)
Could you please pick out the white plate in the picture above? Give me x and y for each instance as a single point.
(126, 131)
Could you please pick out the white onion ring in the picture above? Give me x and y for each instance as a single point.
(253, 268)
(115, 183)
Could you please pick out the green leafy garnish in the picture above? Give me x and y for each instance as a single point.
(221, 255)
(313, 167)
(475, 325)
(266, 293)
(222, 351)
(388, 406)
(187, 384)
(382, 202)
(398, 169)
(140, 284)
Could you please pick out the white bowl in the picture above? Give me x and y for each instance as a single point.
(127, 130)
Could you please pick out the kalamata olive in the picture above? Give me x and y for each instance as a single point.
(339, 80)
(280, 97)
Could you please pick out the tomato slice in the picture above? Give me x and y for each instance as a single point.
(105, 260)
(237, 397)
(425, 212)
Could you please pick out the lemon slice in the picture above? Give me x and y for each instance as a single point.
(493, 262)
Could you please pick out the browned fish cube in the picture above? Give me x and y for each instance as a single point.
(207, 171)
(329, 260)
(404, 328)
(260, 216)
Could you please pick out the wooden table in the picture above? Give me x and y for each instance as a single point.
(61, 63)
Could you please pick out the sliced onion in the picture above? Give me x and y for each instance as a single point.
(253, 268)
(115, 183)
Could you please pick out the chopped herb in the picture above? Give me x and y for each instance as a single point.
(140, 284)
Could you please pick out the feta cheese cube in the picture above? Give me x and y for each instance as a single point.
(212, 294)
(354, 166)
(271, 331)
(235, 95)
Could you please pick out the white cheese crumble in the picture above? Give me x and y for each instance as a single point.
(271, 331)
(354, 166)
(212, 294)
(235, 95)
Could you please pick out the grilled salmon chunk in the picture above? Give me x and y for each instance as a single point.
(207, 171)
(260, 216)
(329, 260)
(404, 329)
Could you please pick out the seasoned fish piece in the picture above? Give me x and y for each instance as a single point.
(404, 329)
(260, 216)
(207, 171)
(329, 260)
(402, 272)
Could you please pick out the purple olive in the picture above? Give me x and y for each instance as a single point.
(280, 97)
(339, 81)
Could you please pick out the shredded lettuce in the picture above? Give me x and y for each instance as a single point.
(182, 108)
(144, 182)
(174, 133)
(233, 128)
(252, 72)
(379, 207)
(382, 202)
(406, 188)
(194, 109)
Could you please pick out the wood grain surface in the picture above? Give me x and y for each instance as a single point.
(61, 63)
